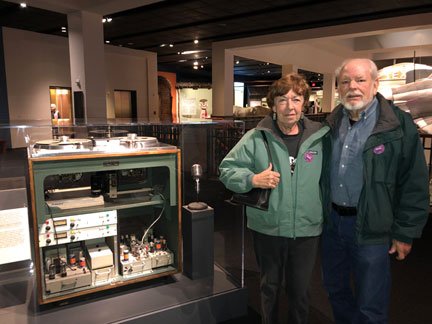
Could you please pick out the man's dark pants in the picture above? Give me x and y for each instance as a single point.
(357, 277)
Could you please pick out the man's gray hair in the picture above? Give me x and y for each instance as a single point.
(372, 67)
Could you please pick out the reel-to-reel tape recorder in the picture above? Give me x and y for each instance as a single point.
(67, 145)
(90, 192)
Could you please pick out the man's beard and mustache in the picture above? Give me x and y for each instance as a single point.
(359, 104)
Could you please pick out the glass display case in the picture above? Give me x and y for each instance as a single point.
(101, 206)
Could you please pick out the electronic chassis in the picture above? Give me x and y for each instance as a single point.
(106, 213)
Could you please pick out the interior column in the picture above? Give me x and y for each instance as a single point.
(222, 81)
(289, 68)
(329, 92)
(87, 63)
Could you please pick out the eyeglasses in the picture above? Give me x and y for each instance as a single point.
(282, 101)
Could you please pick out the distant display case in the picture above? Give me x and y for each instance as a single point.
(105, 213)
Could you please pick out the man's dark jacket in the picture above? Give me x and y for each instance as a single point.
(394, 201)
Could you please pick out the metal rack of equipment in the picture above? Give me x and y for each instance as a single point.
(106, 213)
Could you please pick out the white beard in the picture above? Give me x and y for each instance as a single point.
(354, 107)
(357, 106)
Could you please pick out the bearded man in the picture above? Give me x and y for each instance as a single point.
(376, 193)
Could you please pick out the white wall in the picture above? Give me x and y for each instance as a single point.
(34, 62)
(127, 69)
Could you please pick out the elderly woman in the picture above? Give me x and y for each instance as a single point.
(285, 236)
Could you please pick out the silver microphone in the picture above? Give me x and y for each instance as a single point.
(196, 172)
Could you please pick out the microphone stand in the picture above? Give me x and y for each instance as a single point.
(196, 173)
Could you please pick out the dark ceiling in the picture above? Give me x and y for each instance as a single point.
(179, 23)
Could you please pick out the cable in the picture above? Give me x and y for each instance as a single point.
(55, 233)
(154, 222)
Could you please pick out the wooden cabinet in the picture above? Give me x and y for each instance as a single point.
(104, 220)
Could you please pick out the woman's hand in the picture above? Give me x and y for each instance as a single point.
(267, 179)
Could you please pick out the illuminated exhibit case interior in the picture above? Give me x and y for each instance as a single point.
(105, 204)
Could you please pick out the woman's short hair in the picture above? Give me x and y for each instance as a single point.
(292, 81)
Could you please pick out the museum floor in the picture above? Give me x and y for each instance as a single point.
(411, 288)
(411, 292)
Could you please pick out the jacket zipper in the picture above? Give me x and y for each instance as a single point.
(296, 190)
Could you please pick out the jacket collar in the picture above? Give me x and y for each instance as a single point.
(309, 127)
(267, 123)
(387, 119)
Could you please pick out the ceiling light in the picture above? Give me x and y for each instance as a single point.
(23, 5)
(107, 41)
(162, 45)
(171, 45)
(109, 19)
(195, 67)
(195, 63)
(237, 62)
(196, 41)
(103, 20)
(191, 52)
(202, 66)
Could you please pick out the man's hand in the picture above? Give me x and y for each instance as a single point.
(266, 179)
(401, 248)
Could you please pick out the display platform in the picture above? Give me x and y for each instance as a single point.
(177, 299)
